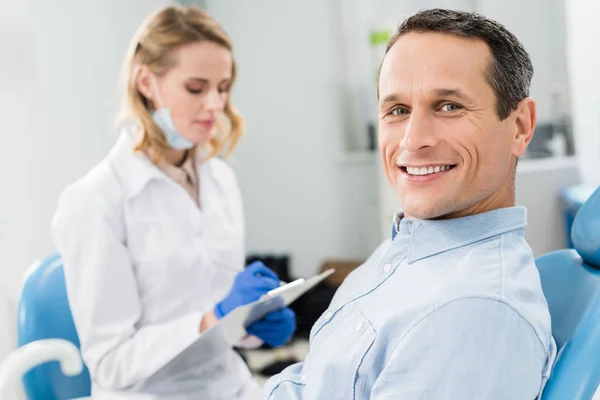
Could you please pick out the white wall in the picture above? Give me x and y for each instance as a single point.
(58, 96)
(79, 49)
(540, 26)
(584, 66)
(16, 88)
(300, 196)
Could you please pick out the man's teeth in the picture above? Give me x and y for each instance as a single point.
(427, 171)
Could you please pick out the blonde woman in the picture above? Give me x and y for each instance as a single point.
(152, 238)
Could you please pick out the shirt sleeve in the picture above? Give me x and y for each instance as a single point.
(287, 385)
(103, 295)
(473, 348)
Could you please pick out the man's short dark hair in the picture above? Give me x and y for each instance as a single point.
(509, 71)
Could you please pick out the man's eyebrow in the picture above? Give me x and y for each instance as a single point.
(390, 98)
(439, 92)
(451, 92)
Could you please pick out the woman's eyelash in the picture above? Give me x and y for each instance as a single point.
(198, 91)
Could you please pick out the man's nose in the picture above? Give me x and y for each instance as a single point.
(419, 132)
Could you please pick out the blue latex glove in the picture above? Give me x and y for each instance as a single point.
(276, 328)
(249, 285)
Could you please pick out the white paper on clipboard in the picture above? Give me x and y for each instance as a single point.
(231, 329)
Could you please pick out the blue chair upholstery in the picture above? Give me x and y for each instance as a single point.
(571, 284)
(44, 313)
(572, 198)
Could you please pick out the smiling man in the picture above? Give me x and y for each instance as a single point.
(452, 306)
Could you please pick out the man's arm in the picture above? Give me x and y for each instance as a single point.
(287, 385)
(472, 348)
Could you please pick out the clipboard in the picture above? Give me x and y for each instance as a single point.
(231, 329)
(234, 324)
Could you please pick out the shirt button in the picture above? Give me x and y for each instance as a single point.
(327, 315)
(303, 378)
(359, 327)
(387, 268)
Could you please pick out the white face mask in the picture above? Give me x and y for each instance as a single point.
(163, 119)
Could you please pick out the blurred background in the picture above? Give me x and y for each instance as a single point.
(308, 165)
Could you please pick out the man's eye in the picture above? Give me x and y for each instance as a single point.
(399, 111)
(450, 107)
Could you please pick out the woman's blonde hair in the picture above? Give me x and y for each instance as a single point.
(153, 45)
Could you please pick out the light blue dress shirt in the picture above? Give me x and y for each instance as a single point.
(449, 309)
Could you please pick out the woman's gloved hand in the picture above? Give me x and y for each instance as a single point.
(249, 285)
(276, 328)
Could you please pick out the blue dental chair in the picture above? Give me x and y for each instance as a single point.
(571, 284)
(44, 313)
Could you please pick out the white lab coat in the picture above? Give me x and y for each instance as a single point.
(142, 264)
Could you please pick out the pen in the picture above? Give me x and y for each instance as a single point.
(281, 283)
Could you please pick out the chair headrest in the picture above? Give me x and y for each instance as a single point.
(585, 233)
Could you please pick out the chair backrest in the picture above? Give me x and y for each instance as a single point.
(44, 313)
(571, 284)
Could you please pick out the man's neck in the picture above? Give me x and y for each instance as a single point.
(501, 199)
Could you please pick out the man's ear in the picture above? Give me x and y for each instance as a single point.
(526, 114)
(143, 82)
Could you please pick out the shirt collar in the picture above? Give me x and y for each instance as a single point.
(135, 170)
(430, 237)
(189, 168)
(184, 173)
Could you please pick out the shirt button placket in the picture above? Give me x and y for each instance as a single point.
(387, 268)
(359, 326)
